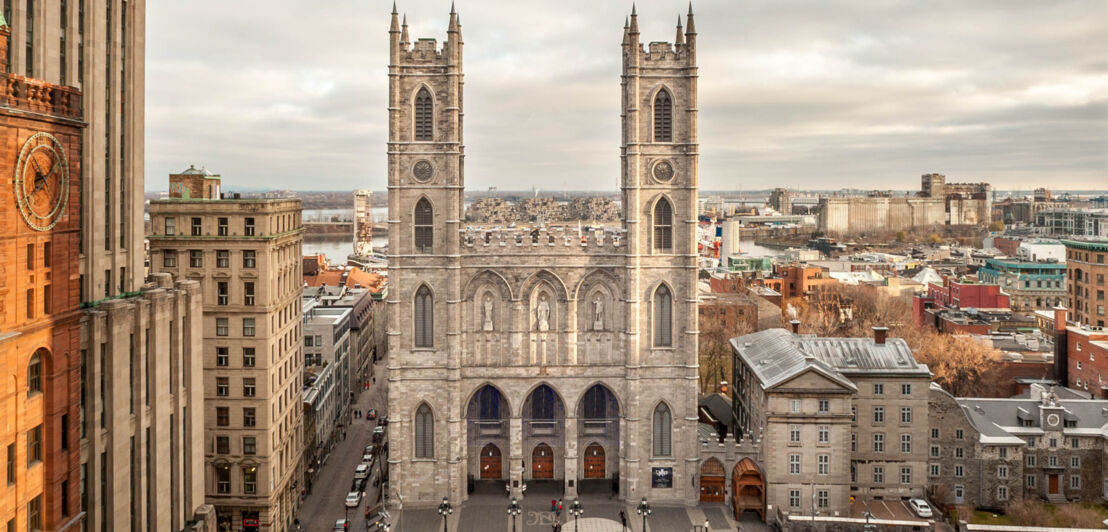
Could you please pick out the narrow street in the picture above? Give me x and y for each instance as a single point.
(326, 503)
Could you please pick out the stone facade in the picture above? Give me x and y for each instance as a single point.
(246, 254)
(841, 416)
(988, 453)
(1087, 269)
(542, 356)
(497, 210)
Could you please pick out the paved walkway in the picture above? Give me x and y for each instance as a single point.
(326, 503)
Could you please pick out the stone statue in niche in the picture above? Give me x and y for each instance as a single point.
(597, 314)
(487, 313)
(542, 314)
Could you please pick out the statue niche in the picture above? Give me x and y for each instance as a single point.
(543, 316)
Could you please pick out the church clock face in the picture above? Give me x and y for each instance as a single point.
(42, 181)
(1052, 419)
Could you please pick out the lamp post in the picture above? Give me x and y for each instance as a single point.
(513, 512)
(576, 510)
(445, 509)
(644, 510)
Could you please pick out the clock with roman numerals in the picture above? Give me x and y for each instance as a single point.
(42, 181)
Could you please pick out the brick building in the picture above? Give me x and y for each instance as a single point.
(1087, 265)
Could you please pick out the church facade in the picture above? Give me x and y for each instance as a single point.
(542, 355)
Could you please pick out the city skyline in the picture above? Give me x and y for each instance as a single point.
(844, 95)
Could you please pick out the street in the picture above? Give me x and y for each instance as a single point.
(326, 503)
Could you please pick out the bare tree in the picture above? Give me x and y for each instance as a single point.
(715, 349)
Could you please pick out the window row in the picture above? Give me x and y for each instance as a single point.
(223, 445)
(222, 258)
(248, 476)
(223, 226)
(222, 327)
(223, 387)
(223, 294)
(223, 416)
(223, 357)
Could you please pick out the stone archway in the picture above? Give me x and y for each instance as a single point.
(748, 489)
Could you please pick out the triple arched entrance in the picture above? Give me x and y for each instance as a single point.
(539, 452)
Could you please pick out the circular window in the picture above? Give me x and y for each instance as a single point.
(423, 170)
(663, 171)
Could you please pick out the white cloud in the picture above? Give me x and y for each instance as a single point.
(292, 93)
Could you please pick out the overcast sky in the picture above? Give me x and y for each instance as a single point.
(814, 94)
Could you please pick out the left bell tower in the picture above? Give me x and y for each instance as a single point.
(426, 179)
(41, 124)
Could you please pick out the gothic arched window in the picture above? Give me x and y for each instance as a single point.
(662, 422)
(34, 375)
(424, 321)
(424, 228)
(424, 432)
(663, 117)
(542, 403)
(596, 403)
(424, 115)
(663, 317)
(663, 226)
(488, 400)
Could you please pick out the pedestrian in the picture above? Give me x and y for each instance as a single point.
(553, 505)
(559, 512)
(623, 520)
(706, 525)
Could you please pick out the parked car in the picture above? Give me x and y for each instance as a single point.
(367, 458)
(353, 499)
(341, 525)
(362, 471)
(921, 507)
(370, 449)
(358, 484)
(379, 434)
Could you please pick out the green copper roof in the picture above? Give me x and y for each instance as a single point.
(1090, 245)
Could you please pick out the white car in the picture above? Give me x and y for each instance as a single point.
(367, 458)
(353, 499)
(362, 471)
(921, 507)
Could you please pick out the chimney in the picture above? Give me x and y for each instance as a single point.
(1061, 347)
(795, 324)
(879, 335)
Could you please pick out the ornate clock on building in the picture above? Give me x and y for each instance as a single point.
(42, 181)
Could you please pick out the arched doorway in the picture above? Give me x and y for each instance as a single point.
(542, 462)
(491, 462)
(595, 461)
(712, 480)
(487, 414)
(748, 489)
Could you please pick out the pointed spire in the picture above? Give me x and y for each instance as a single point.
(634, 30)
(690, 28)
(404, 30)
(680, 34)
(452, 7)
(453, 19)
(393, 28)
(633, 13)
(626, 29)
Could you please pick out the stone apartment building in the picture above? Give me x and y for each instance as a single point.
(328, 351)
(518, 359)
(834, 418)
(1046, 444)
(246, 255)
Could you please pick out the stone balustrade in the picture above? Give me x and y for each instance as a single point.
(542, 240)
(41, 97)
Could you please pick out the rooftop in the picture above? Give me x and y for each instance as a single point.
(777, 355)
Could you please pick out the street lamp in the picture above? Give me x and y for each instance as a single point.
(444, 510)
(644, 510)
(576, 510)
(513, 512)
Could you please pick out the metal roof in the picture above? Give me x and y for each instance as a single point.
(776, 356)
